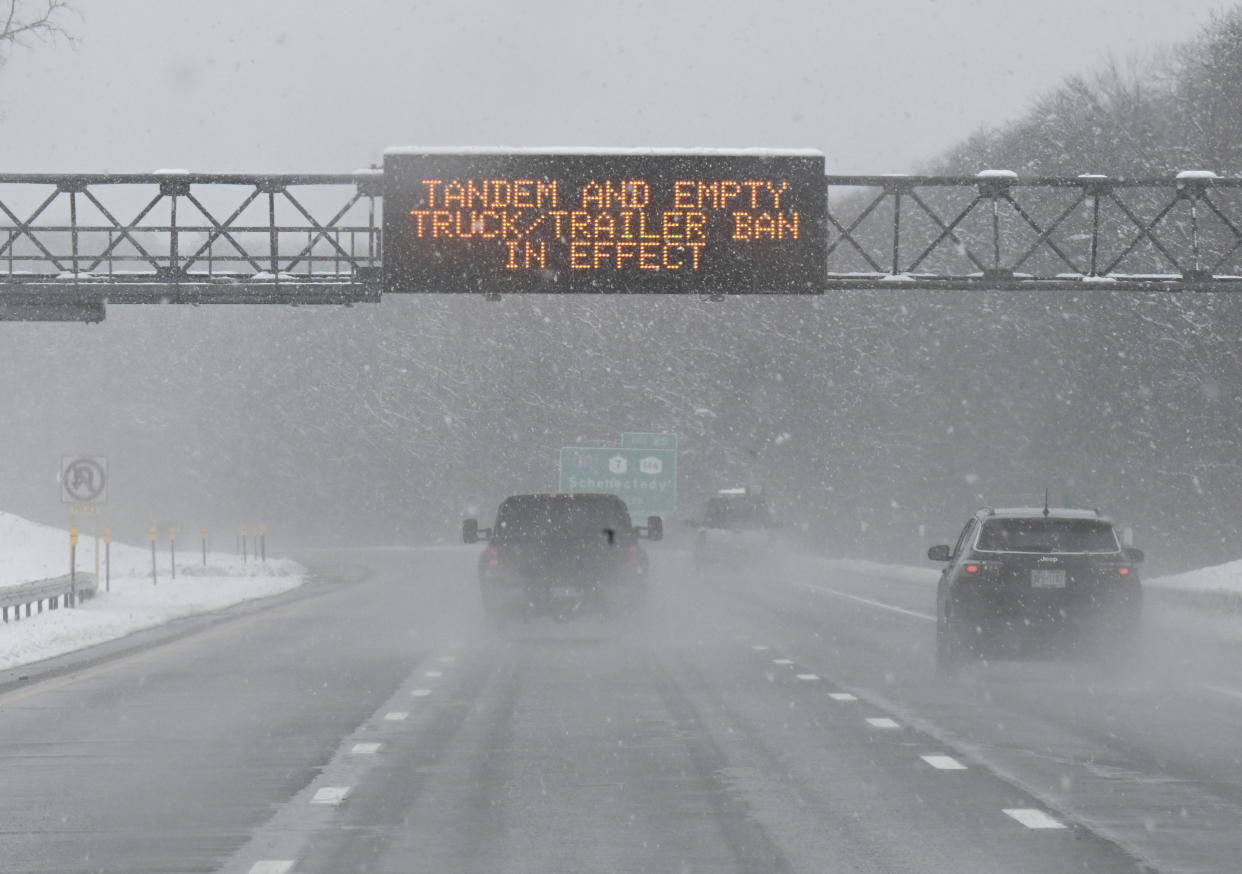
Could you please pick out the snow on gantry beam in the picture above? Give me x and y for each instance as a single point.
(610, 221)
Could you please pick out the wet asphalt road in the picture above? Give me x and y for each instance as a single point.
(778, 718)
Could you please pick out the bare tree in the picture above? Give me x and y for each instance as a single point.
(25, 21)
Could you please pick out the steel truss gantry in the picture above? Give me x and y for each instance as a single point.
(72, 243)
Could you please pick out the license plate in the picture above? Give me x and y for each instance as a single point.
(1045, 579)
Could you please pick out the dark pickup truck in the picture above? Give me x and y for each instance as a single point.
(560, 556)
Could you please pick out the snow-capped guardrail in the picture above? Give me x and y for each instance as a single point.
(55, 593)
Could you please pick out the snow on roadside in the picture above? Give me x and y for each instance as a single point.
(30, 551)
(1222, 578)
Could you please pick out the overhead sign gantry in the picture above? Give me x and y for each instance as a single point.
(497, 221)
(704, 222)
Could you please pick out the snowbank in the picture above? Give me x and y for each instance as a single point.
(29, 551)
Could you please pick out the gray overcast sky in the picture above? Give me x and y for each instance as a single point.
(309, 85)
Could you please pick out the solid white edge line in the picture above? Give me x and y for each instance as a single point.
(944, 763)
(272, 866)
(1033, 818)
(880, 604)
(330, 795)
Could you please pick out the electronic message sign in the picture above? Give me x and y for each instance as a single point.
(619, 222)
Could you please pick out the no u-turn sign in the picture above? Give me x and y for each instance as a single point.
(83, 479)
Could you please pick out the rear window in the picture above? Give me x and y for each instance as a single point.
(1047, 535)
(540, 516)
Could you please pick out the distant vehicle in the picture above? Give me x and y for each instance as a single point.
(737, 527)
(561, 556)
(1036, 583)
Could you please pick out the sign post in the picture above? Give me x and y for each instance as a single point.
(73, 566)
(154, 569)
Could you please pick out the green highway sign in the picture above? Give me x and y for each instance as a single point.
(646, 479)
(642, 440)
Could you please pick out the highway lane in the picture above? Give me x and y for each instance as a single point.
(752, 723)
(1149, 755)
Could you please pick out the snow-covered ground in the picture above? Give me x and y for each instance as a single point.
(29, 551)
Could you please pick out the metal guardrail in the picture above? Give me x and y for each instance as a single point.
(55, 592)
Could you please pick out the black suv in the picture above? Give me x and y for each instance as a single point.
(1032, 583)
(561, 555)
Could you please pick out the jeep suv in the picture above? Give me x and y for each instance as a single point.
(736, 528)
(561, 555)
(1032, 583)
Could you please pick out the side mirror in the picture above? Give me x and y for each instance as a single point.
(1132, 554)
(655, 528)
(942, 552)
(470, 531)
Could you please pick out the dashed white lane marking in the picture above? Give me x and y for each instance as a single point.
(330, 795)
(759, 647)
(1032, 818)
(807, 676)
(272, 866)
(890, 607)
(367, 749)
(842, 696)
(882, 722)
(397, 716)
(434, 674)
(782, 661)
(420, 693)
(944, 763)
(446, 660)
